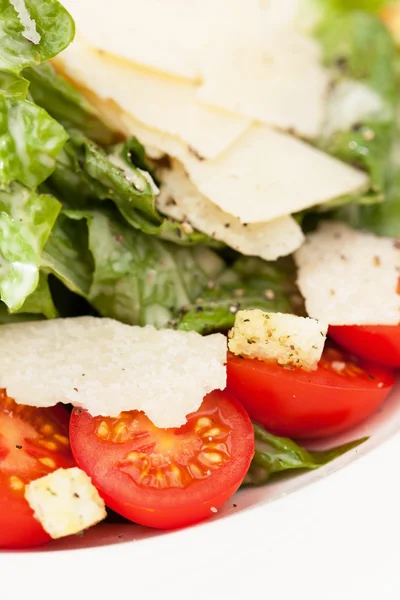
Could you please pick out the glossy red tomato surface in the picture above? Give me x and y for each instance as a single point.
(166, 478)
(377, 343)
(341, 393)
(33, 443)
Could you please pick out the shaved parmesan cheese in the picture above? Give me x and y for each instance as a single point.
(352, 102)
(65, 502)
(180, 30)
(156, 100)
(277, 78)
(180, 200)
(348, 277)
(108, 367)
(282, 338)
(177, 29)
(265, 175)
(30, 32)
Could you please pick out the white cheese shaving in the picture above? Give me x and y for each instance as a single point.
(181, 30)
(30, 32)
(65, 502)
(348, 277)
(283, 338)
(266, 174)
(180, 200)
(158, 101)
(276, 77)
(352, 102)
(263, 175)
(108, 367)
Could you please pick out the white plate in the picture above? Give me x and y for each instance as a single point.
(311, 536)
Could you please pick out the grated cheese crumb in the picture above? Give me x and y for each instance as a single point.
(349, 277)
(284, 338)
(65, 502)
(164, 373)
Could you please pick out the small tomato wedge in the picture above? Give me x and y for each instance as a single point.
(33, 442)
(166, 478)
(340, 394)
(377, 343)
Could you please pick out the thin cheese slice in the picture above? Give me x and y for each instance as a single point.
(108, 367)
(278, 337)
(277, 78)
(180, 200)
(169, 36)
(156, 100)
(266, 174)
(163, 35)
(65, 502)
(262, 176)
(349, 277)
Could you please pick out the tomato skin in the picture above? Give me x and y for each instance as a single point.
(306, 405)
(18, 527)
(170, 507)
(377, 343)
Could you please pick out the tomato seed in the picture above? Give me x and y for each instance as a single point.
(103, 430)
(47, 462)
(16, 483)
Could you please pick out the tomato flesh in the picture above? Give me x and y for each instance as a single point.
(33, 442)
(340, 394)
(377, 343)
(166, 478)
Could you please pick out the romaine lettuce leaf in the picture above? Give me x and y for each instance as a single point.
(66, 255)
(13, 86)
(359, 47)
(30, 141)
(86, 176)
(52, 22)
(275, 455)
(41, 301)
(250, 283)
(66, 104)
(26, 219)
(129, 276)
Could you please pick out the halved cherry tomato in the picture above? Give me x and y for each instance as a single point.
(377, 343)
(341, 393)
(166, 478)
(33, 442)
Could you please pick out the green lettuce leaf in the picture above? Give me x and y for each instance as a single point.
(250, 283)
(39, 305)
(359, 47)
(30, 141)
(123, 273)
(66, 104)
(13, 86)
(53, 23)
(26, 219)
(41, 301)
(67, 256)
(86, 176)
(275, 454)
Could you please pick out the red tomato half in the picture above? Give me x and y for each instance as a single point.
(378, 343)
(33, 442)
(300, 404)
(166, 478)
